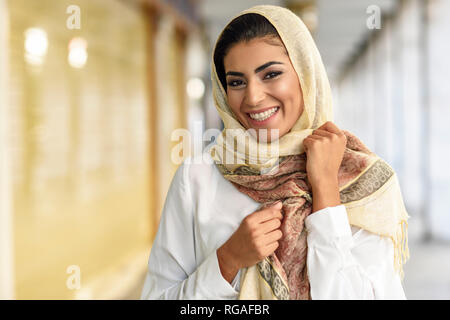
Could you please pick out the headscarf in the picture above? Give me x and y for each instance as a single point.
(276, 170)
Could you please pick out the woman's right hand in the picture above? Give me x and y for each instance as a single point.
(255, 239)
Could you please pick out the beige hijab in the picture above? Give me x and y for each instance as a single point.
(316, 95)
(373, 198)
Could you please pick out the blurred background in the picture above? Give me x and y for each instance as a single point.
(92, 90)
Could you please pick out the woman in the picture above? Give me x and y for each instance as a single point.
(322, 217)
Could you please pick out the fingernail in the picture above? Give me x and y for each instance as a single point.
(278, 204)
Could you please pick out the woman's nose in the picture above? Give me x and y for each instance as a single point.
(254, 94)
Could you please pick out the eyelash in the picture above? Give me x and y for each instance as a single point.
(274, 73)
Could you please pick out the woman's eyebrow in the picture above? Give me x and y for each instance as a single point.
(259, 69)
(265, 65)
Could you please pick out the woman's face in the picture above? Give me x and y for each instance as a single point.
(263, 89)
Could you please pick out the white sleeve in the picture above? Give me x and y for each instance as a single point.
(346, 266)
(173, 269)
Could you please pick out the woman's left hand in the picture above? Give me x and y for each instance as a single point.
(324, 151)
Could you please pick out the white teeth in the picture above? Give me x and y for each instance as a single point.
(263, 115)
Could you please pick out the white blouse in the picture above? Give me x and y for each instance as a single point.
(203, 209)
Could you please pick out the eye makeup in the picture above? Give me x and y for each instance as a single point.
(238, 82)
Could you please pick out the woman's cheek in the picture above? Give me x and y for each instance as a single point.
(234, 104)
(283, 91)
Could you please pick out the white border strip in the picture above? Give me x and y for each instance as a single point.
(6, 232)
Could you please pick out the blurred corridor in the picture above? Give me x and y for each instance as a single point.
(92, 94)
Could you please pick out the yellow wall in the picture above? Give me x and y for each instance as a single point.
(171, 84)
(6, 250)
(80, 148)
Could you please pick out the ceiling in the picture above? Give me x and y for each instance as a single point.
(342, 24)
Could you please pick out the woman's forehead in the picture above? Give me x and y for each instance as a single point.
(255, 52)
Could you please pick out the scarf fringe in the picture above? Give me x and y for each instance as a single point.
(401, 250)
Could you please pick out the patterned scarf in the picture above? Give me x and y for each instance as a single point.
(363, 178)
(368, 186)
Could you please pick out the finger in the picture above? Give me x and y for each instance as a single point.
(307, 142)
(270, 226)
(331, 127)
(323, 126)
(323, 133)
(271, 247)
(267, 213)
(270, 214)
(272, 236)
(313, 137)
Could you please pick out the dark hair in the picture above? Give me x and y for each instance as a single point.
(243, 28)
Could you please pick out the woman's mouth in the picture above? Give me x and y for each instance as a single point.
(263, 117)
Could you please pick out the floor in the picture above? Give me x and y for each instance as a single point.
(427, 272)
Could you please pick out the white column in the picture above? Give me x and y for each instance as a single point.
(412, 117)
(439, 114)
(6, 236)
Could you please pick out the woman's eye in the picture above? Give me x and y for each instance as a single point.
(234, 83)
(269, 75)
(272, 74)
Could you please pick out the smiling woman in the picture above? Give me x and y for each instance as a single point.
(263, 90)
(322, 218)
(263, 94)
